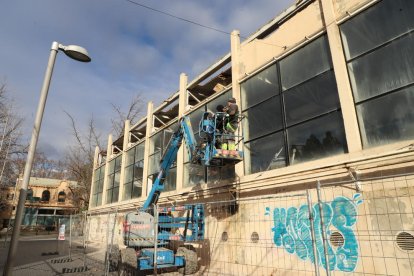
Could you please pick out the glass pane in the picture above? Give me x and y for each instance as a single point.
(377, 25)
(109, 196)
(101, 183)
(154, 163)
(102, 172)
(130, 156)
(137, 183)
(139, 152)
(129, 174)
(115, 194)
(139, 169)
(168, 132)
(99, 199)
(117, 179)
(137, 189)
(127, 191)
(111, 179)
(156, 142)
(262, 119)
(220, 100)
(318, 138)
(97, 174)
(111, 166)
(195, 118)
(396, 124)
(386, 69)
(260, 87)
(198, 141)
(170, 181)
(311, 99)
(305, 63)
(118, 162)
(265, 153)
(193, 174)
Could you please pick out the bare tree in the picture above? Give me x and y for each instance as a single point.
(133, 112)
(10, 135)
(79, 159)
(79, 156)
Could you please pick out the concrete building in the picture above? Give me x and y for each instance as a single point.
(327, 89)
(48, 200)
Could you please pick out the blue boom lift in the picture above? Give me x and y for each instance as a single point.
(149, 248)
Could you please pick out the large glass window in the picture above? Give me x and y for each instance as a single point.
(378, 46)
(158, 146)
(300, 119)
(134, 172)
(114, 176)
(98, 186)
(197, 174)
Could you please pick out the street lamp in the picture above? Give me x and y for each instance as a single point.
(72, 51)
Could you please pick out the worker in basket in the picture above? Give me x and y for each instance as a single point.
(230, 125)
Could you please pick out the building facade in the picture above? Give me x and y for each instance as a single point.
(326, 91)
(48, 200)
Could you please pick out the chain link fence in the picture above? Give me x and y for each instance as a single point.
(360, 226)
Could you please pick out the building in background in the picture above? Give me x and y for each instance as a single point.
(48, 200)
(327, 90)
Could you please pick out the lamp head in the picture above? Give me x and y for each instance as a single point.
(76, 52)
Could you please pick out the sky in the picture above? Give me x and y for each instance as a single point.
(134, 51)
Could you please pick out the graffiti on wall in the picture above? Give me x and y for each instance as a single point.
(291, 230)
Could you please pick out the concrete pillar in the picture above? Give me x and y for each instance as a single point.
(182, 104)
(149, 127)
(123, 160)
(235, 73)
(95, 164)
(108, 156)
(346, 99)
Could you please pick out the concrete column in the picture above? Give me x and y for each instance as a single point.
(182, 104)
(235, 73)
(95, 164)
(346, 99)
(108, 156)
(149, 127)
(123, 160)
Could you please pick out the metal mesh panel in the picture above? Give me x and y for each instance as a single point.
(375, 218)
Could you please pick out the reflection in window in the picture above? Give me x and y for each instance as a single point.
(386, 127)
(316, 139)
(380, 67)
(263, 118)
(265, 154)
(305, 63)
(380, 24)
(304, 122)
(134, 172)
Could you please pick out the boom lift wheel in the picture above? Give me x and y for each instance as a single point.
(191, 261)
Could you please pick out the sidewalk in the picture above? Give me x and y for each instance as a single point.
(65, 265)
(78, 263)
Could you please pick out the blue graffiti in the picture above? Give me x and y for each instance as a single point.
(291, 230)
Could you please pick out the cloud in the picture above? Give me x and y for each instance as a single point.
(134, 51)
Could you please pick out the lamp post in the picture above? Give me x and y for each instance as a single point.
(72, 51)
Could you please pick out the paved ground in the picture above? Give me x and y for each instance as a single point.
(43, 255)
